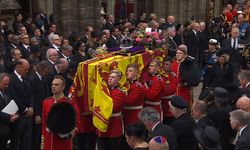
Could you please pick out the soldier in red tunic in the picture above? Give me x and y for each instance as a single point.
(171, 82)
(135, 96)
(154, 86)
(181, 89)
(54, 141)
(112, 138)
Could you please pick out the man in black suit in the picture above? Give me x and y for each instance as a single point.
(10, 64)
(244, 78)
(114, 40)
(199, 113)
(239, 121)
(25, 47)
(192, 41)
(235, 46)
(40, 91)
(20, 89)
(151, 119)
(110, 22)
(66, 52)
(172, 45)
(55, 42)
(5, 119)
(183, 125)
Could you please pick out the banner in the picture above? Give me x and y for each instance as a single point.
(90, 83)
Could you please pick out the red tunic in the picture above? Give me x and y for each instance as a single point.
(154, 92)
(180, 89)
(171, 82)
(115, 127)
(53, 141)
(133, 102)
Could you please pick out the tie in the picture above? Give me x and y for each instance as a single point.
(234, 44)
(68, 59)
(28, 48)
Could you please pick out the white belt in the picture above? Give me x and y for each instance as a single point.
(152, 103)
(116, 114)
(168, 97)
(132, 107)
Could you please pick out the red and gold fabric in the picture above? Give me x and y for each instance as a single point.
(91, 90)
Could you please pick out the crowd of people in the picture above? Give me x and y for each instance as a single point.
(38, 66)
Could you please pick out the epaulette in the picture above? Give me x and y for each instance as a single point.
(173, 74)
(138, 84)
(122, 90)
(159, 77)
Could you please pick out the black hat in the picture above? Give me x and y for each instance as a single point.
(209, 137)
(204, 93)
(178, 102)
(222, 51)
(220, 95)
(61, 118)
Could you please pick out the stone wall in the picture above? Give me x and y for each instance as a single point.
(75, 15)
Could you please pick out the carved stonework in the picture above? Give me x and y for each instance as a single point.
(9, 4)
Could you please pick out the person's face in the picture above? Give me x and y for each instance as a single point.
(37, 33)
(117, 32)
(234, 34)
(233, 123)
(4, 84)
(57, 86)
(25, 39)
(104, 38)
(194, 113)
(131, 73)
(153, 68)
(211, 47)
(53, 56)
(172, 33)
(67, 52)
(23, 69)
(53, 28)
(19, 17)
(222, 60)
(57, 41)
(23, 30)
(180, 55)
(129, 140)
(82, 47)
(113, 80)
(240, 18)
(33, 41)
(17, 55)
(243, 82)
(167, 66)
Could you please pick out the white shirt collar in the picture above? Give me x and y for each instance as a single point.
(56, 47)
(242, 130)
(155, 126)
(26, 46)
(247, 84)
(13, 45)
(39, 76)
(51, 61)
(19, 76)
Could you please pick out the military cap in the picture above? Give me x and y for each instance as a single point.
(178, 102)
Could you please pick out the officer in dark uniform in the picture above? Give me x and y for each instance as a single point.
(183, 125)
(207, 61)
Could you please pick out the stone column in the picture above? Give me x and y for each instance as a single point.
(75, 15)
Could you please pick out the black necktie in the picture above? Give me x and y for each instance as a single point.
(234, 44)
